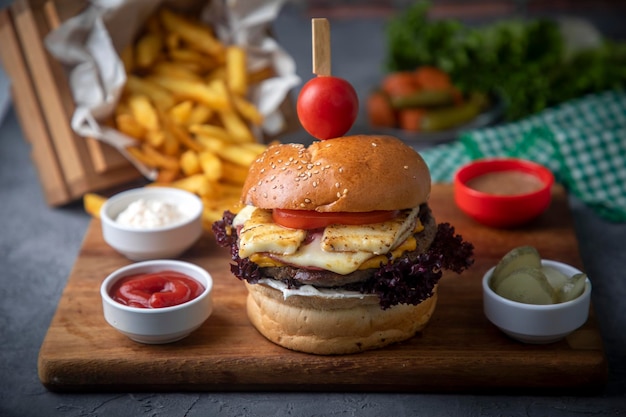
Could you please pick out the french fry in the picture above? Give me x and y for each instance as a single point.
(256, 148)
(144, 112)
(136, 153)
(210, 143)
(198, 184)
(193, 90)
(172, 41)
(237, 155)
(248, 110)
(233, 173)
(211, 165)
(236, 75)
(161, 98)
(156, 138)
(201, 62)
(190, 163)
(166, 176)
(171, 146)
(237, 129)
(218, 73)
(148, 49)
(180, 134)
(199, 114)
(127, 124)
(92, 203)
(175, 70)
(198, 35)
(208, 130)
(160, 160)
(180, 113)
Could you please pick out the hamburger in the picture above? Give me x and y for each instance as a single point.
(337, 245)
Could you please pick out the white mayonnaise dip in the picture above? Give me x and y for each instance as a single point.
(148, 214)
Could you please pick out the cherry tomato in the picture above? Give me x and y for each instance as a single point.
(308, 219)
(327, 107)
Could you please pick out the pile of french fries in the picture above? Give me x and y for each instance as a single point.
(185, 103)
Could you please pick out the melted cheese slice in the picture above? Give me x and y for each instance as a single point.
(341, 248)
(312, 255)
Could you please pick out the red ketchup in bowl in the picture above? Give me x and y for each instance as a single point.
(156, 289)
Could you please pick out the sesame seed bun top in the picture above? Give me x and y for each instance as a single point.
(349, 174)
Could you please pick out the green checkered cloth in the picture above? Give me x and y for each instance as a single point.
(583, 142)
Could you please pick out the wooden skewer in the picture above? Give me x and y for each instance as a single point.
(321, 46)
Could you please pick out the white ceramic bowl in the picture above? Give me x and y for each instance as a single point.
(158, 325)
(155, 243)
(531, 323)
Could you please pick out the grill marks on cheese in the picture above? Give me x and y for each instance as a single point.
(260, 234)
(339, 248)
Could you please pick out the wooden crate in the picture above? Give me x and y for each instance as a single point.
(68, 165)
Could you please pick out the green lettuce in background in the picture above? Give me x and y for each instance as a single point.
(529, 63)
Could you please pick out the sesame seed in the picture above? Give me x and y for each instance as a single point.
(307, 200)
(406, 167)
(340, 169)
(302, 205)
(373, 144)
(338, 194)
(337, 185)
(314, 183)
(262, 170)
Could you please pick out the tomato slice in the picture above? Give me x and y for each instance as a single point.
(308, 219)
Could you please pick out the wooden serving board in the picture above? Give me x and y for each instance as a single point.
(460, 350)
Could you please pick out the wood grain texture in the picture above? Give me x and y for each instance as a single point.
(30, 114)
(458, 351)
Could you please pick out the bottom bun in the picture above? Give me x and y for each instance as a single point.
(326, 326)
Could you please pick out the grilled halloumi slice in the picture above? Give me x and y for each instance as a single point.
(260, 234)
(378, 238)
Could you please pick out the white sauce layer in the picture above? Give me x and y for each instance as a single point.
(311, 291)
(149, 214)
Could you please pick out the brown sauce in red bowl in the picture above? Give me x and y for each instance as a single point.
(506, 183)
